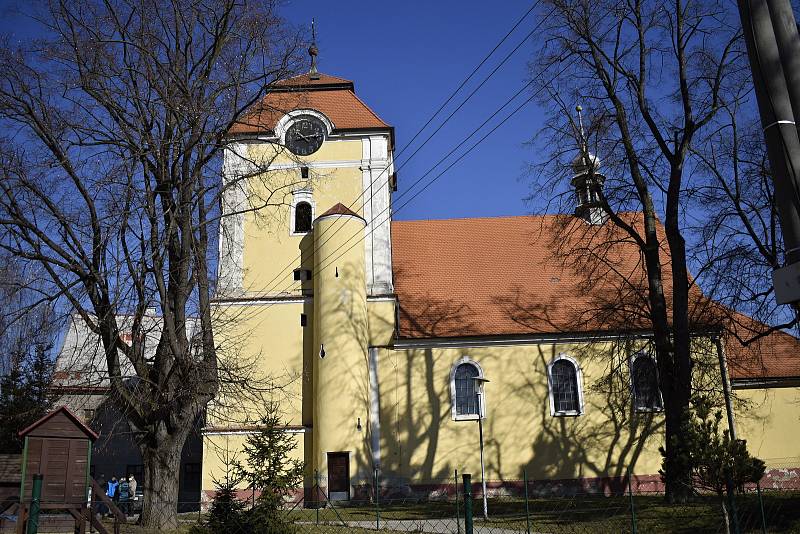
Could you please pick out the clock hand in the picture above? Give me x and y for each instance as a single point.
(301, 135)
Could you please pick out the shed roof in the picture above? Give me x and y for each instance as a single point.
(52, 425)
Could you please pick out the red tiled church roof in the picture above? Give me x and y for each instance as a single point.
(507, 276)
(334, 97)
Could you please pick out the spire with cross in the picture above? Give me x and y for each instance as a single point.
(313, 51)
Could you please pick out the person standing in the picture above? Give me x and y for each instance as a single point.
(132, 485)
(111, 491)
(99, 506)
(123, 493)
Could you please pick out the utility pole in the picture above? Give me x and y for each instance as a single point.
(770, 32)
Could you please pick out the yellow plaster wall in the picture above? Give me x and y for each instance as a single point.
(270, 251)
(769, 419)
(264, 342)
(221, 450)
(420, 441)
(381, 317)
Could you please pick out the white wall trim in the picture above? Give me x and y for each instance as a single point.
(482, 399)
(524, 339)
(374, 408)
(579, 380)
(259, 301)
(230, 267)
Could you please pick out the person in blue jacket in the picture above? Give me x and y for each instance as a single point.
(111, 489)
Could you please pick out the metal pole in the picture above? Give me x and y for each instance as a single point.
(316, 493)
(761, 506)
(458, 513)
(633, 506)
(777, 119)
(468, 527)
(483, 467)
(726, 386)
(788, 40)
(377, 501)
(527, 508)
(36, 495)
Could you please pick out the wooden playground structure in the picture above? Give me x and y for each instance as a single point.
(55, 478)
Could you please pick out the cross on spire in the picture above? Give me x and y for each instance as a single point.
(313, 51)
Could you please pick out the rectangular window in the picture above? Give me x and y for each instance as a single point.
(303, 319)
(304, 173)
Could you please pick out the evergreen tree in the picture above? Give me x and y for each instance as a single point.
(718, 463)
(270, 470)
(24, 394)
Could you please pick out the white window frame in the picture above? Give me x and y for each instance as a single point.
(481, 408)
(301, 195)
(644, 353)
(579, 380)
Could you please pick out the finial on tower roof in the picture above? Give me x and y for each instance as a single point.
(313, 51)
(584, 160)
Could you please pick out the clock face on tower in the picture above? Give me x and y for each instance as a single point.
(305, 135)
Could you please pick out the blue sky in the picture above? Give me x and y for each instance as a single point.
(405, 59)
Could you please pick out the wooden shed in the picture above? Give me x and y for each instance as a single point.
(59, 447)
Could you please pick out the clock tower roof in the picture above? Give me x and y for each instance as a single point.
(332, 96)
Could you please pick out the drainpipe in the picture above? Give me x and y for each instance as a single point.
(726, 385)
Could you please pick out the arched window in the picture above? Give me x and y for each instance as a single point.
(644, 381)
(302, 218)
(564, 376)
(467, 404)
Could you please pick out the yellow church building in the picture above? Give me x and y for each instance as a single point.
(391, 339)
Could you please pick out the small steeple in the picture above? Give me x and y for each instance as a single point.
(313, 51)
(588, 183)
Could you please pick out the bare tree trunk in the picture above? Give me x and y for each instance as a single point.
(161, 455)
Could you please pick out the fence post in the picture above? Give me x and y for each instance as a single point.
(633, 505)
(468, 528)
(458, 512)
(761, 506)
(377, 500)
(33, 513)
(317, 489)
(527, 508)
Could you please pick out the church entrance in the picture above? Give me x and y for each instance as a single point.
(339, 476)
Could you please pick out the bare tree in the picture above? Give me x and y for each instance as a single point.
(738, 226)
(652, 75)
(114, 125)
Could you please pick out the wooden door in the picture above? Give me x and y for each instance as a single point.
(339, 475)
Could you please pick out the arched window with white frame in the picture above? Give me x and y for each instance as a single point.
(644, 383)
(565, 379)
(302, 214)
(467, 403)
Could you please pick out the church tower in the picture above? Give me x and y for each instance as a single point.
(305, 285)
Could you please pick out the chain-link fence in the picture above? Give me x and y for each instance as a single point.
(460, 509)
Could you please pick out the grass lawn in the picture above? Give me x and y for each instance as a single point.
(587, 514)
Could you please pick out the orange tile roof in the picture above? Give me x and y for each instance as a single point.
(332, 96)
(506, 276)
(775, 355)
